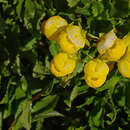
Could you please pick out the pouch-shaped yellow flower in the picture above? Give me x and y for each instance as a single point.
(124, 64)
(96, 72)
(106, 42)
(53, 26)
(116, 51)
(71, 39)
(62, 64)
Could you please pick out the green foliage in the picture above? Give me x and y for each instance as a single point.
(72, 3)
(54, 48)
(30, 96)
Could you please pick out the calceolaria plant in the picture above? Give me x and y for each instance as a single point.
(64, 65)
(71, 38)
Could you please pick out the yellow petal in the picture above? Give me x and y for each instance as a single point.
(95, 82)
(75, 36)
(116, 51)
(96, 72)
(52, 27)
(65, 43)
(106, 41)
(62, 65)
(55, 71)
(124, 64)
(124, 68)
(126, 39)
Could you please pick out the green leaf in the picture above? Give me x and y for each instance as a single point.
(112, 115)
(23, 83)
(20, 107)
(83, 89)
(18, 125)
(16, 67)
(74, 93)
(39, 124)
(47, 115)
(95, 116)
(97, 8)
(44, 103)
(30, 45)
(39, 70)
(89, 100)
(54, 48)
(19, 93)
(9, 91)
(110, 84)
(83, 11)
(78, 69)
(29, 9)
(122, 97)
(19, 8)
(4, 68)
(72, 96)
(72, 3)
(26, 116)
(8, 110)
(29, 13)
(49, 87)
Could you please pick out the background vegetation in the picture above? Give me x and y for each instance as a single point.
(30, 96)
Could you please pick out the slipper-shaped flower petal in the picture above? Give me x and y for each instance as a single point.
(62, 64)
(71, 39)
(53, 26)
(96, 72)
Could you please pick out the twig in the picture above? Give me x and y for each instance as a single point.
(14, 122)
(34, 98)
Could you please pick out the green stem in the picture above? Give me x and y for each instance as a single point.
(90, 56)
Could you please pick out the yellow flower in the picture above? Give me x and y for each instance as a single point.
(63, 64)
(116, 51)
(126, 39)
(53, 26)
(124, 64)
(106, 42)
(110, 47)
(96, 72)
(71, 39)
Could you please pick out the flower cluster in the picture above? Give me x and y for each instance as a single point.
(116, 50)
(71, 38)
